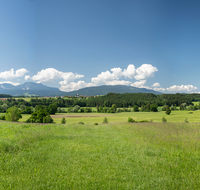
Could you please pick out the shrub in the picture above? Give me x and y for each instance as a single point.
(81, 123)
(13, 114)
(131, 120)
(164, 108)
(63, 121)
(164, 120)
(28, 120)
(105, 120)
(186, 121)
(3, 117)
(135, 108)
(154, 107)
(47, 119)
(142, 121)
(96, 123)
(168, 111)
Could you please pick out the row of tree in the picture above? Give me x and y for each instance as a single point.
(143, 100)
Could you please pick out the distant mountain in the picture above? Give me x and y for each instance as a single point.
(105, 89)
(38, 89)
(29, 88)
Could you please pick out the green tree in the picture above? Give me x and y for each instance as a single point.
(154, 107)
(63, 121)
(4, 107)
(105, 120)
(52, 108)
(164, 120)
(135, 108)
(168, 111)
(13, 114)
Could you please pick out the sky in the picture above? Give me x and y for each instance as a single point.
(153, 44)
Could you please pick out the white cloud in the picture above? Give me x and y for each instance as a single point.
(139, 84)
(155, 84)
(27, 77)
(183, 88)
(51, 74)
(118, 82)
(159, 89)
(12, 74)
(9, 82)
(141, 73)
(129, 72)
(145, 71)
(107, 76)
(75, 86)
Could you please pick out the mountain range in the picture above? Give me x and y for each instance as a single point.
(38, 89)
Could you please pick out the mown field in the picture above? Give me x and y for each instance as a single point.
(91, 118)
(107, 156)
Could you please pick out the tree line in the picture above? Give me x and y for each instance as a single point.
(126, 100)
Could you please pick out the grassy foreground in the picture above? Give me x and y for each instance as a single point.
(121, 156)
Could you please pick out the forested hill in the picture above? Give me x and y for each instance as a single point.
(105, 89)
(38, 89)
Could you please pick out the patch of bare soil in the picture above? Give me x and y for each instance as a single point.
(74, 116)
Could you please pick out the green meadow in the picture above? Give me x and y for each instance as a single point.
(106, 156)
(91, 118)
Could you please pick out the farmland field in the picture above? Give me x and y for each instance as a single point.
(111, 156)
(91, 118)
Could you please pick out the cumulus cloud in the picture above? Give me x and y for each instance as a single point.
(129, 72)
(75, 86)
(51, 74)
(159, 89)
(141, 73)
(155, 84)
(12, 74)
(145, 71)
(27, 77)
(183, 88)
(9, 82)
(118, 82)
(107, 76)
(139, 84)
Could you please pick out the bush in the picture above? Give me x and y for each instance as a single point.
(186, 121)
(135, 108)
(63, 121)
(81, 123)
(13, 114)
(168, 111)
(105, 120)
(164, 108)
(96, 123)
(28, 120)
(47, 119)
(3, 117)
(164, 120)
(154, 107)
(131, 120)
(142, 121)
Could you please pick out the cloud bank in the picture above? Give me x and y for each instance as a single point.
(69, 81)
(12, 74)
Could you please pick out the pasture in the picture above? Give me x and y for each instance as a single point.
(91, 118)
(107, 156)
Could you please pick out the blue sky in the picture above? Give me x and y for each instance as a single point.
(74, 44)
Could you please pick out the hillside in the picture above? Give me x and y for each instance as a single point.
(38, 89)
(29, 88)
(105, 89)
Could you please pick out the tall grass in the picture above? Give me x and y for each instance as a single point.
(121, 156)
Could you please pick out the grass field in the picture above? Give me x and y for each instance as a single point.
(113, 156)
(91, 118)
